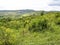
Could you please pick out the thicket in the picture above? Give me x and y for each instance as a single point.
(13, 29)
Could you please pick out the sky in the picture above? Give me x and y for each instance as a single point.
(46, 5)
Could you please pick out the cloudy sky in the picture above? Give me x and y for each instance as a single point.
(30, 4)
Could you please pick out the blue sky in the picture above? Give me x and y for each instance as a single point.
(30, 4)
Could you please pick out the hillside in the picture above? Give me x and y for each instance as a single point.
(39, 28)
(15, 12)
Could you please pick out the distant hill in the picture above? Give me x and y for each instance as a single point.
(15, 12)
(26, 11)
(19, 11)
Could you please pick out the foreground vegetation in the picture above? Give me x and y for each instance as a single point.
(35, 29)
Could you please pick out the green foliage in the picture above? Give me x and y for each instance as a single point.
(38, 28)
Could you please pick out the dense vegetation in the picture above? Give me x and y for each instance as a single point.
(39, 28)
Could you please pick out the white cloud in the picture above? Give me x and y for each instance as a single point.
(26, 4)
